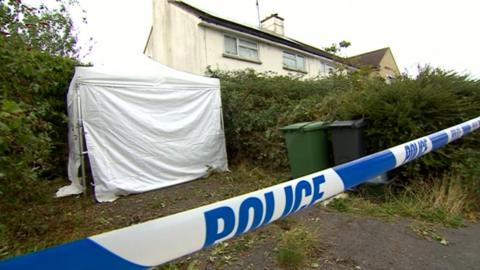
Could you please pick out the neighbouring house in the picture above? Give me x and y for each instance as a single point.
(189, 39)
(381, 61)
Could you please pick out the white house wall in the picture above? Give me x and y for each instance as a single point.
(176, 40)
(270, 56)
(182, 41)
(388, 67)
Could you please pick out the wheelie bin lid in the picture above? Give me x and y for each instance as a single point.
(314, 126)
(294, 127)
(348, 124)
(304, 126)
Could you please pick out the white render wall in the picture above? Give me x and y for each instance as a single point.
(176, 40)
(182, 41)
(270, 55)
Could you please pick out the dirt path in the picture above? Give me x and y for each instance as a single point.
(375, 244)
(353, 242)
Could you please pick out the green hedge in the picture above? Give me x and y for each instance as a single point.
(411, 108)
(33, 123)
(256, 105)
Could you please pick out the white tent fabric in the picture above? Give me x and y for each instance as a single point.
(146, 126)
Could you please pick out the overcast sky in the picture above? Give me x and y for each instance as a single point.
(442, 33)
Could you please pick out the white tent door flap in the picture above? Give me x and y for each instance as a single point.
(144, 132)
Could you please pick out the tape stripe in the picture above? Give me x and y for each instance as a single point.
(355, 172)
(78, 255)
(161, 240)
(438, 139)
(466, 129)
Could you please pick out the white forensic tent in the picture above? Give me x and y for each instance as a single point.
(146, 126)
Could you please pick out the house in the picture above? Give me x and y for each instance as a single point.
(381, 61)
(189, 39)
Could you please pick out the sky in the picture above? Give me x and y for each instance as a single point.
(441, 33)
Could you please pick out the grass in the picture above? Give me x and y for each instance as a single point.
(43, 223)
(295, 248)
(443, 201)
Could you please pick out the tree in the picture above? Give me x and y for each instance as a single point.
(41, 28)
(335, 49)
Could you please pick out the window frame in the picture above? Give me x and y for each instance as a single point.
(245, 45)
(297, 56)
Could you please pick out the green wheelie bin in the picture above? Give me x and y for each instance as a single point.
(307, 147)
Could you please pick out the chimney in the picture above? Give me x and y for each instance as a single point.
(273, 23)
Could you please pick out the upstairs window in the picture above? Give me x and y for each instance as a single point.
(326, 69)
(329, 68)
(241, 47)
(293, 61)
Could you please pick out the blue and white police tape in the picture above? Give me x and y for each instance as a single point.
(155, 242)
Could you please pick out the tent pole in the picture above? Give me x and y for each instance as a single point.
(81, 142)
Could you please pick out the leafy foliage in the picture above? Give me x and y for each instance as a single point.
(335, 49)
(24, 149)
(257, 105)
(412, 108)
(39, 28)
(34, 76)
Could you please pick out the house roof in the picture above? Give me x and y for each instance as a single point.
(258, 32)
(372, 58)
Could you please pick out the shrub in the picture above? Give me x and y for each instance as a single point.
(37, 44)
(33, 141)
(412, 108)
(257, 105)
(24, 149)
(40, 81)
